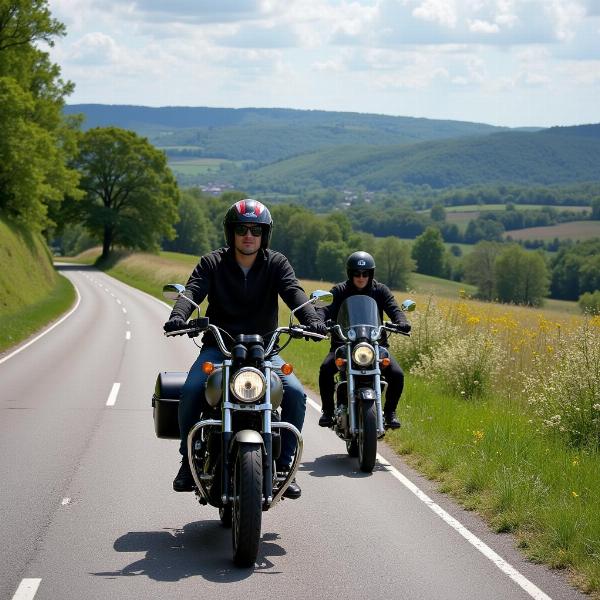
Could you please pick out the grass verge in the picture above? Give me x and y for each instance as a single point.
(18, 325)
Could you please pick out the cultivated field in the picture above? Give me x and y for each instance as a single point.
(575, 230)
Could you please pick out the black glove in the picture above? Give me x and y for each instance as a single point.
(404, 327)
(174, 323)
(317, 327)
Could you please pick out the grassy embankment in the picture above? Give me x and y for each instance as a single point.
(32, 294)
(475, 433)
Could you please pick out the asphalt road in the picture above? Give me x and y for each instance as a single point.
(87, 509)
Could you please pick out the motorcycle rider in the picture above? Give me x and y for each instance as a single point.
(242, 282)
(360, 267)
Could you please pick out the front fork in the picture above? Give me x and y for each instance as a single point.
(352, 402)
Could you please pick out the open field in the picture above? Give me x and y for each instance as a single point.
(200, 166)
(575, 230)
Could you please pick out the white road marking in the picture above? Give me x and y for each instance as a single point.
(128, 335)
(27, 589)
(118, 301)
(127, 322)
(65, 501)
(35, 339)
(500, 563)
(124, 310)
(112, 398)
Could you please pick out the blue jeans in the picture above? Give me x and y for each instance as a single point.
(193, 402)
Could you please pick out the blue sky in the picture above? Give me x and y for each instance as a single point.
(503, 62)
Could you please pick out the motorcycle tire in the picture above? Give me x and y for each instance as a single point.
(352, 448)
(247, 504)
(367, 436)
(225, 515)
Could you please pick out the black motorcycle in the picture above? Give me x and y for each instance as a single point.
(361, 363)
(232, 452)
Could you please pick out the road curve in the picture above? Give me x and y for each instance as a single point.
(88, 511)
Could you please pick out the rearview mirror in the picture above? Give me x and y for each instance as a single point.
(408, 305)
(321, 297)
(172, 291)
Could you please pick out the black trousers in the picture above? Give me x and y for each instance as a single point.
(392, 374)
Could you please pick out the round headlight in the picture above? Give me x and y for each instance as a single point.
(363, 354)
(351, 334)
(248, 384)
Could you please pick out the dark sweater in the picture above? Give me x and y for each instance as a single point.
(378, 291)
(242, 303)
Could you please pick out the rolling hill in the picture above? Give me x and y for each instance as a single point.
(266, 134)
(554, 156)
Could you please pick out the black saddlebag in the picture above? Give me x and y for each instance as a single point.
(165, 403)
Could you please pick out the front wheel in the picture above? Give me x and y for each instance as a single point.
(247, 504)
(367, 436)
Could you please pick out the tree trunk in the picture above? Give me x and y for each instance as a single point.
(107, 241)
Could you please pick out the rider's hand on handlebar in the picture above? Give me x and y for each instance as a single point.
(174, 324)
(403, 327)
(317, 327)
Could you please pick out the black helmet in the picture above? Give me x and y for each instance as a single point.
(360, 261)
(249, 212)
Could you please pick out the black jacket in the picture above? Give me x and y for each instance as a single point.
(378, 291)
(242, 303)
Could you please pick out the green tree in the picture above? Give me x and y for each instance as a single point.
(394, 263)
(595, 216)
(130, 194)
(192, 229)
(331, 260)
(438, 213)
(521, 276)
(480, 268)
(35, 141)
(429, 253)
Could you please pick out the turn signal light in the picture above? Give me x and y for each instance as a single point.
(287, 369)
(208, 367)
(340, 363)
(385, 362)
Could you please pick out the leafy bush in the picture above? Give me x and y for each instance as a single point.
(590, 303)
(565, 392)
(466, 365)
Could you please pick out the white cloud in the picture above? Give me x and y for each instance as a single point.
(334, 53)
(478, 26)
(440, 11)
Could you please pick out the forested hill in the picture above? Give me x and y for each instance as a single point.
(267, 134)
(555, 156)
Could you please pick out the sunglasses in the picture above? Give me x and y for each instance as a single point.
(360, 273)
(242, 230)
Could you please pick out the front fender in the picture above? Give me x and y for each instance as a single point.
(366, 394)
(246, 436)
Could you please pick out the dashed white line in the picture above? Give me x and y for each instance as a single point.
(124, 310)
(118, 301)
(27, 589)
(128, 335)
(500, 563)
(112, 398)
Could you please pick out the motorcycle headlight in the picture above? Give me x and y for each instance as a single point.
(363, 354)
(248, 384)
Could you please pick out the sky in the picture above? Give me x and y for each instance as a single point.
(503, 62)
